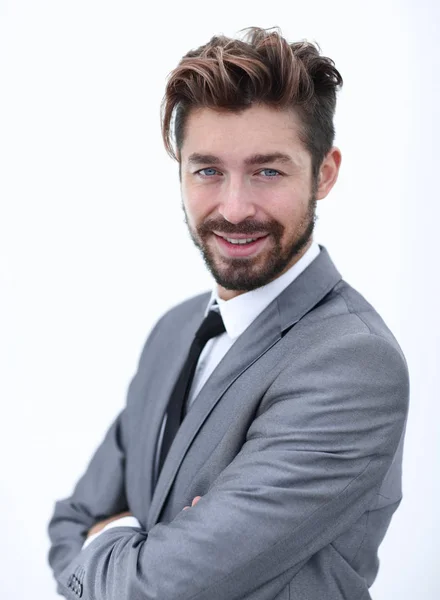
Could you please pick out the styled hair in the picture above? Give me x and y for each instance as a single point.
(232, 74)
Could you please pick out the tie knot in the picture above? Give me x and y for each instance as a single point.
(211, 326)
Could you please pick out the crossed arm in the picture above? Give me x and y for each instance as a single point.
(101, 525)
(287, 494)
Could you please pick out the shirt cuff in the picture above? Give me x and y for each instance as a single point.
(122, 522)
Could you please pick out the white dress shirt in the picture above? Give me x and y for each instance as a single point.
(237, 314)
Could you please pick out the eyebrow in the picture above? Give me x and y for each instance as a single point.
(254, 159)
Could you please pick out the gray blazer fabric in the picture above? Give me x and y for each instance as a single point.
(294, 443)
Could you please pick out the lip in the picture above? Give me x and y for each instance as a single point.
(241, 236)
(240, 250)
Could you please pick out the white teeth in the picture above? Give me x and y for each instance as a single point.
(241, 241)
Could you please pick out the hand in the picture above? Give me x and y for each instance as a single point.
(101, 524)
(194, 502)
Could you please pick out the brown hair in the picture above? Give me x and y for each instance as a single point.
(230, 74)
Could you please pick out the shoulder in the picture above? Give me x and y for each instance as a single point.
(175, 319)
(344, 342)
(182, 312)
(344, 311)
(342, 371)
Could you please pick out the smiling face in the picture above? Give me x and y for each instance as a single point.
(246, 176)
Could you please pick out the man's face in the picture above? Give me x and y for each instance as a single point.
(232, 189)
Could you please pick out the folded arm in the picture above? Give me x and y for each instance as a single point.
(312, 463)
(99, 494)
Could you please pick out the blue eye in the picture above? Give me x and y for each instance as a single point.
(273, 171)
(207, 169)
(208, 172)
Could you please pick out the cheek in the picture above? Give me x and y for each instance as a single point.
(289, 210)
(199, 205)
(285, 208)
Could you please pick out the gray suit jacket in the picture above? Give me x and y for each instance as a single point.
(294, 443)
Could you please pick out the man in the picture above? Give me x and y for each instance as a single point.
(259, 453)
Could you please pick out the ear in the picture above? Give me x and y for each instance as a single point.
(328, 173)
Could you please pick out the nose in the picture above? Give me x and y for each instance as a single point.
(236, 204)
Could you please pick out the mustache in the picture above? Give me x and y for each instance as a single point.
(245, 227)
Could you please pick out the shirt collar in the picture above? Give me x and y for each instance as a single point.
(239, 312)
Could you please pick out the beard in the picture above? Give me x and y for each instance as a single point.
(246, 274)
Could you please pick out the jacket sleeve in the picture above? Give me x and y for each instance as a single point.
(313, 460)
(99, 493)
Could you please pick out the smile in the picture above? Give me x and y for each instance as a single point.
(234, 241)
(240, 246)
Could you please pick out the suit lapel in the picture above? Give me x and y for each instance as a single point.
(290, 306)
(256, 340)
(176, 357)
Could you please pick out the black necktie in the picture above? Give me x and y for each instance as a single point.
(211, 326)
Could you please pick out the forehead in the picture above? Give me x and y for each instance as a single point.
(236, 137)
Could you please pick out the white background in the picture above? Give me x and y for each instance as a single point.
(93, 247)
